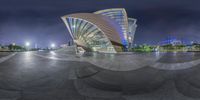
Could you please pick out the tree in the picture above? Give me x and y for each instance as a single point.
(10, 47)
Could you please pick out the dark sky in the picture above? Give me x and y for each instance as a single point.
(38, 21)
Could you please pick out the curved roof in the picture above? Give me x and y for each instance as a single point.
(88, 35)
(120, 16)
(109, 27)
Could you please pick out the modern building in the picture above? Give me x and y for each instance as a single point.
(108, 31)
(131, 31)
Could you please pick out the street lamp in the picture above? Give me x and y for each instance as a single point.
(53, 45)
(27, 44)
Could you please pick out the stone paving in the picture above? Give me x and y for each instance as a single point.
(62, 75)
(3, 54)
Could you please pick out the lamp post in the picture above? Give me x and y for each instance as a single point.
(53, 46)
(27, 44)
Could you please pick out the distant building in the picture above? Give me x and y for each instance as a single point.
(108, 30)
(172, 41)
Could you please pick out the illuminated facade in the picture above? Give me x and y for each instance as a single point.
(107, 30)
(131, 31)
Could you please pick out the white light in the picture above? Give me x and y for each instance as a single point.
(27, 44)
(53, 45)
(129, 38)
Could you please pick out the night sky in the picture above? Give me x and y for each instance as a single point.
(38, 21)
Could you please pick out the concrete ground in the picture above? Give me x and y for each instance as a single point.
(61, 75)
(3, 54)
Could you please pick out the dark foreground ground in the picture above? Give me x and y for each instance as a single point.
(64, 76)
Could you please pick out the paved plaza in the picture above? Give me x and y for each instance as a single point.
(62, 75)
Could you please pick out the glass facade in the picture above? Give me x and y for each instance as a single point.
(120, 16)
(131, 30)
(89, 35)
(107, 30)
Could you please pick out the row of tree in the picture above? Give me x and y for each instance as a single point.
(144, 48)
(168, 47)
(16, 48)
(12, 47)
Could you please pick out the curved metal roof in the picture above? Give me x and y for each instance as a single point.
(120, 16)
(109, 27)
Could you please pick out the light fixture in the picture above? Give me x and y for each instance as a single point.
(27, 44)
(53, 45)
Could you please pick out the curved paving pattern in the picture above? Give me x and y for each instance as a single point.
(36, 76)
(175, 66)
(121, 62)
(143, 79)
(6, 56)
(137, 81)
(177, 61)
(179, 57)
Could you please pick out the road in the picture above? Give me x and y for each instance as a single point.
(65, 76)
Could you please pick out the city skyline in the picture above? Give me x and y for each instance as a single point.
(39, 22)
